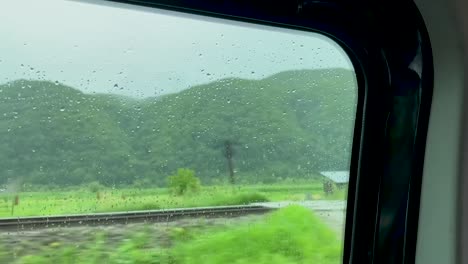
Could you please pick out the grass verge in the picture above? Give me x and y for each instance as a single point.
(130, 199)
(288, 236)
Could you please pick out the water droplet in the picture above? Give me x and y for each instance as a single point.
(62, 109)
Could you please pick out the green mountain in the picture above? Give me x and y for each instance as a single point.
(288, 125)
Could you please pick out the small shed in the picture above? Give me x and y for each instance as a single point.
(339, 178)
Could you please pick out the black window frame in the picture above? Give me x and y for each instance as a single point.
(389, 47)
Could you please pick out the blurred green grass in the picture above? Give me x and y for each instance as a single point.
(129, 199)
(288, 236)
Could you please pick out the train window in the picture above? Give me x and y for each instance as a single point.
(137, 135)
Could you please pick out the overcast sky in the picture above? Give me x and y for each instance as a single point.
(145, 52)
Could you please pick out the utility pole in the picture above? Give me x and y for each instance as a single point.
(229, 154)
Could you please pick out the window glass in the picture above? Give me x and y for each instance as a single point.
(148, 136)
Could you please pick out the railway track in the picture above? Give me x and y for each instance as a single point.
(149, 216)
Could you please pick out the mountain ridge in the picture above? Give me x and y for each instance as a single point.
(290, 124)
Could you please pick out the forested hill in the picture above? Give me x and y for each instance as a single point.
(288, 125)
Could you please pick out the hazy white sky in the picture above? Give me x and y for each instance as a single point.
(144, 52)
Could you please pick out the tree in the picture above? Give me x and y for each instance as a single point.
(183, 182)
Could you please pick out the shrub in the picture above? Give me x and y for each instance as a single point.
(244, 198)
(184, 181)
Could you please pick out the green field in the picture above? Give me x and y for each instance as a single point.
(290, 235)
(83, 200)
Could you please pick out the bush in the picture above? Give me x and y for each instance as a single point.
(243, 199)
(184, 181)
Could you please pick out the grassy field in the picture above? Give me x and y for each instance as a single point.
(287, 236)
(127, 199)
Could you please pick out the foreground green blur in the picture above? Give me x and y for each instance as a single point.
(290, 235)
